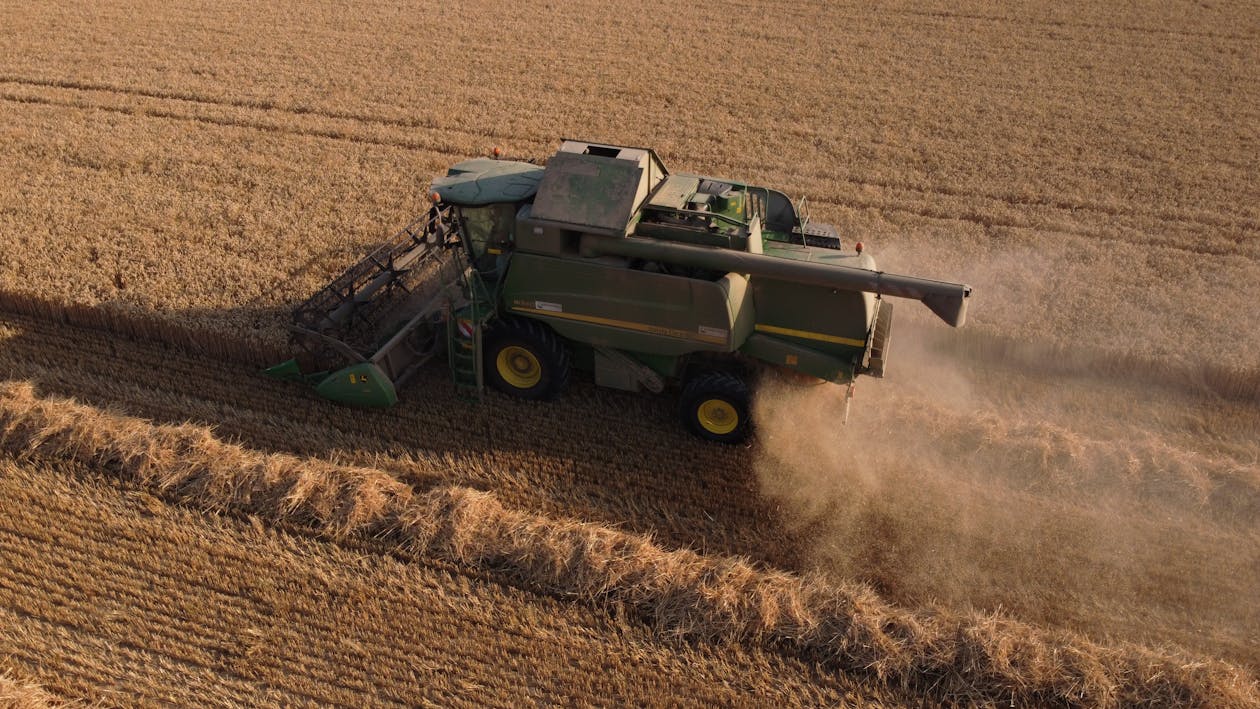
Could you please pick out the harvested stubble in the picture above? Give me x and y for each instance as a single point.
(691, 495)
(108, 593)
(685, 493)
(678, 593)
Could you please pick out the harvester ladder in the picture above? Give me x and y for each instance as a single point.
(465, 327)
(464, 353)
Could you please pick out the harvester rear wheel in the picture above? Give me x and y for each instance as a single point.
(524, 358)
(714, 406)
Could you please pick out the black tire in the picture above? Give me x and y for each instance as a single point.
(714, 406)
(524, 358)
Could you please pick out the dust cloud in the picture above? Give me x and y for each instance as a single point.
(1115, 508)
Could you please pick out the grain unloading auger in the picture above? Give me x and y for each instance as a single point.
(604, 261)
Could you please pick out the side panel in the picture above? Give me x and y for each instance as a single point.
(362, 384)
(786, 353)
(606, 304)
(835, 322)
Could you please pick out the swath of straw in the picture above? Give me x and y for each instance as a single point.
(682, 594)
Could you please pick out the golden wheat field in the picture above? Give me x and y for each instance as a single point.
(1057, 505)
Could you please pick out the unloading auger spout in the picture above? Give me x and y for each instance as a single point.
(947, 300)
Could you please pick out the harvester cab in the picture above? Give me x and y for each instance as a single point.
(606, 262)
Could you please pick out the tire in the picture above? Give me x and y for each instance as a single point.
(525, 359)
(714, 406)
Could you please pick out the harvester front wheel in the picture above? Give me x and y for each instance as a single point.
(524, 358)
(714, 406)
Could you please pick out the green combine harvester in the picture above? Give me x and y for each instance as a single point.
(602, 260)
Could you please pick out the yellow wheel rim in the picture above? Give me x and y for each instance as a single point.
(518, 367)
(717, 416)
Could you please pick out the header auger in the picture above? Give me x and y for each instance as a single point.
(606, 262)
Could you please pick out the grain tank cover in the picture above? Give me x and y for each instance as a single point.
(595, 187)
(480, 181)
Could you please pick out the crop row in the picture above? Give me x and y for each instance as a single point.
(108, 593)
(679, 593)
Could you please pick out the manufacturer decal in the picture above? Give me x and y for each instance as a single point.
(549, 307)
(714, 331)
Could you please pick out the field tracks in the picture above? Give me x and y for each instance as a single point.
(1024, 22)
(680, 593)
(967, 196)
(267, 116)
(416, 132)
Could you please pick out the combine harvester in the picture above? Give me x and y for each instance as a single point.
(605, 261)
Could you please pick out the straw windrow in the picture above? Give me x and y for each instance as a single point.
(680, 593)
(16, 694)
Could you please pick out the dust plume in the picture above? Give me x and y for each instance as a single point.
(1115, 507)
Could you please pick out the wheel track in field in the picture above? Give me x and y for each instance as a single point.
(190, 97)
(794, 9)
(990, 222)
(540, 143)
(234, 123)
(1061, 24)
(1058, 204)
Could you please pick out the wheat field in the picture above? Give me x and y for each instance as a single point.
(1056, 505)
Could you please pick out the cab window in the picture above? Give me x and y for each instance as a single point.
(488, 232)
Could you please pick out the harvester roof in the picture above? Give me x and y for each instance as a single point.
(481, 181)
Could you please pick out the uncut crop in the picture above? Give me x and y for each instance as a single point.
(1099, 156)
